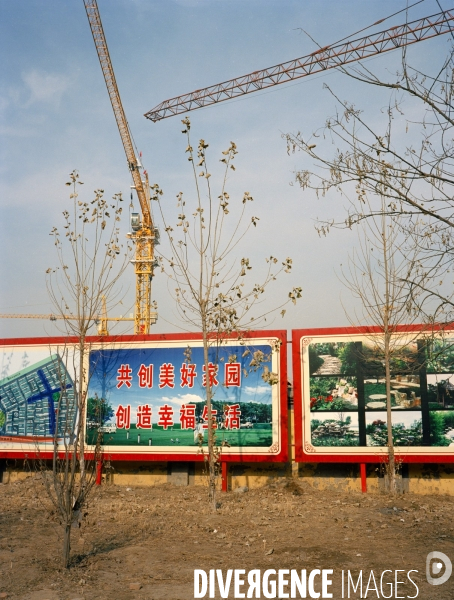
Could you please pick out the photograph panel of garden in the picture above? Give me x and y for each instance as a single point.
(347, 393)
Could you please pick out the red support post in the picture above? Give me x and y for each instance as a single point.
(225, 476)
(362, 468)
(98, 472)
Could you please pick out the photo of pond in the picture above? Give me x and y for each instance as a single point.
(339, 429)
(406, 428)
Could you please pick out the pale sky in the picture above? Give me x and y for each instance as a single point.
(55, 116)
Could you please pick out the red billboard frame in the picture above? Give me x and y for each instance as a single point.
(271, 456)
(304, 451)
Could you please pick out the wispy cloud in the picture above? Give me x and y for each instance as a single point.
(183, 399)
(260, 389)
(45, 87)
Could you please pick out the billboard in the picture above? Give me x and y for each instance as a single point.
(340, 394)
(146, 396)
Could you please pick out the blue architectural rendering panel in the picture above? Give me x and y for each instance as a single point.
(38, 401)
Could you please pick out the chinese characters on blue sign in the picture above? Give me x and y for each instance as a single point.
(156, 396)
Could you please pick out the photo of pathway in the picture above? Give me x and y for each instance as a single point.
(331, 365)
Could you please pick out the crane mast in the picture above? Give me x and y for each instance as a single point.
(143, 232)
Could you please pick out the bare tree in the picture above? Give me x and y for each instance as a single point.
(377, 275)
(91, 260)
(402, 154)
(209, 276)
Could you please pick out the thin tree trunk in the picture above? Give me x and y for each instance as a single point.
(211, 449)
(387, 342)
(67, 545)
(391, 454)
(81, 407)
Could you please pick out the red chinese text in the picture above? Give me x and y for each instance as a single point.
(187, 416)
(232, 374)
(188, 374)
(213, 418)
(167, 375)
(145, 375)
(212, 372)
(144, 417)
(124, 376)
(232, 416)
(165, 416)
(123, 416)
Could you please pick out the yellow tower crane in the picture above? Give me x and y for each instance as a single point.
(101, 320)
(143, 233)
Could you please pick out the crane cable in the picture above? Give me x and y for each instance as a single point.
(381, 21)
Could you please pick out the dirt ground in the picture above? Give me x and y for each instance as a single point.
(153, 538)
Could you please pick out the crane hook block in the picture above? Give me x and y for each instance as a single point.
(135, 221)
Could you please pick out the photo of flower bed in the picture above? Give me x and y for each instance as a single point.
(333, 393)
(406, 428)
(328, 431)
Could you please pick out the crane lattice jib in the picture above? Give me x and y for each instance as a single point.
(329, 57)
(94, 19)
